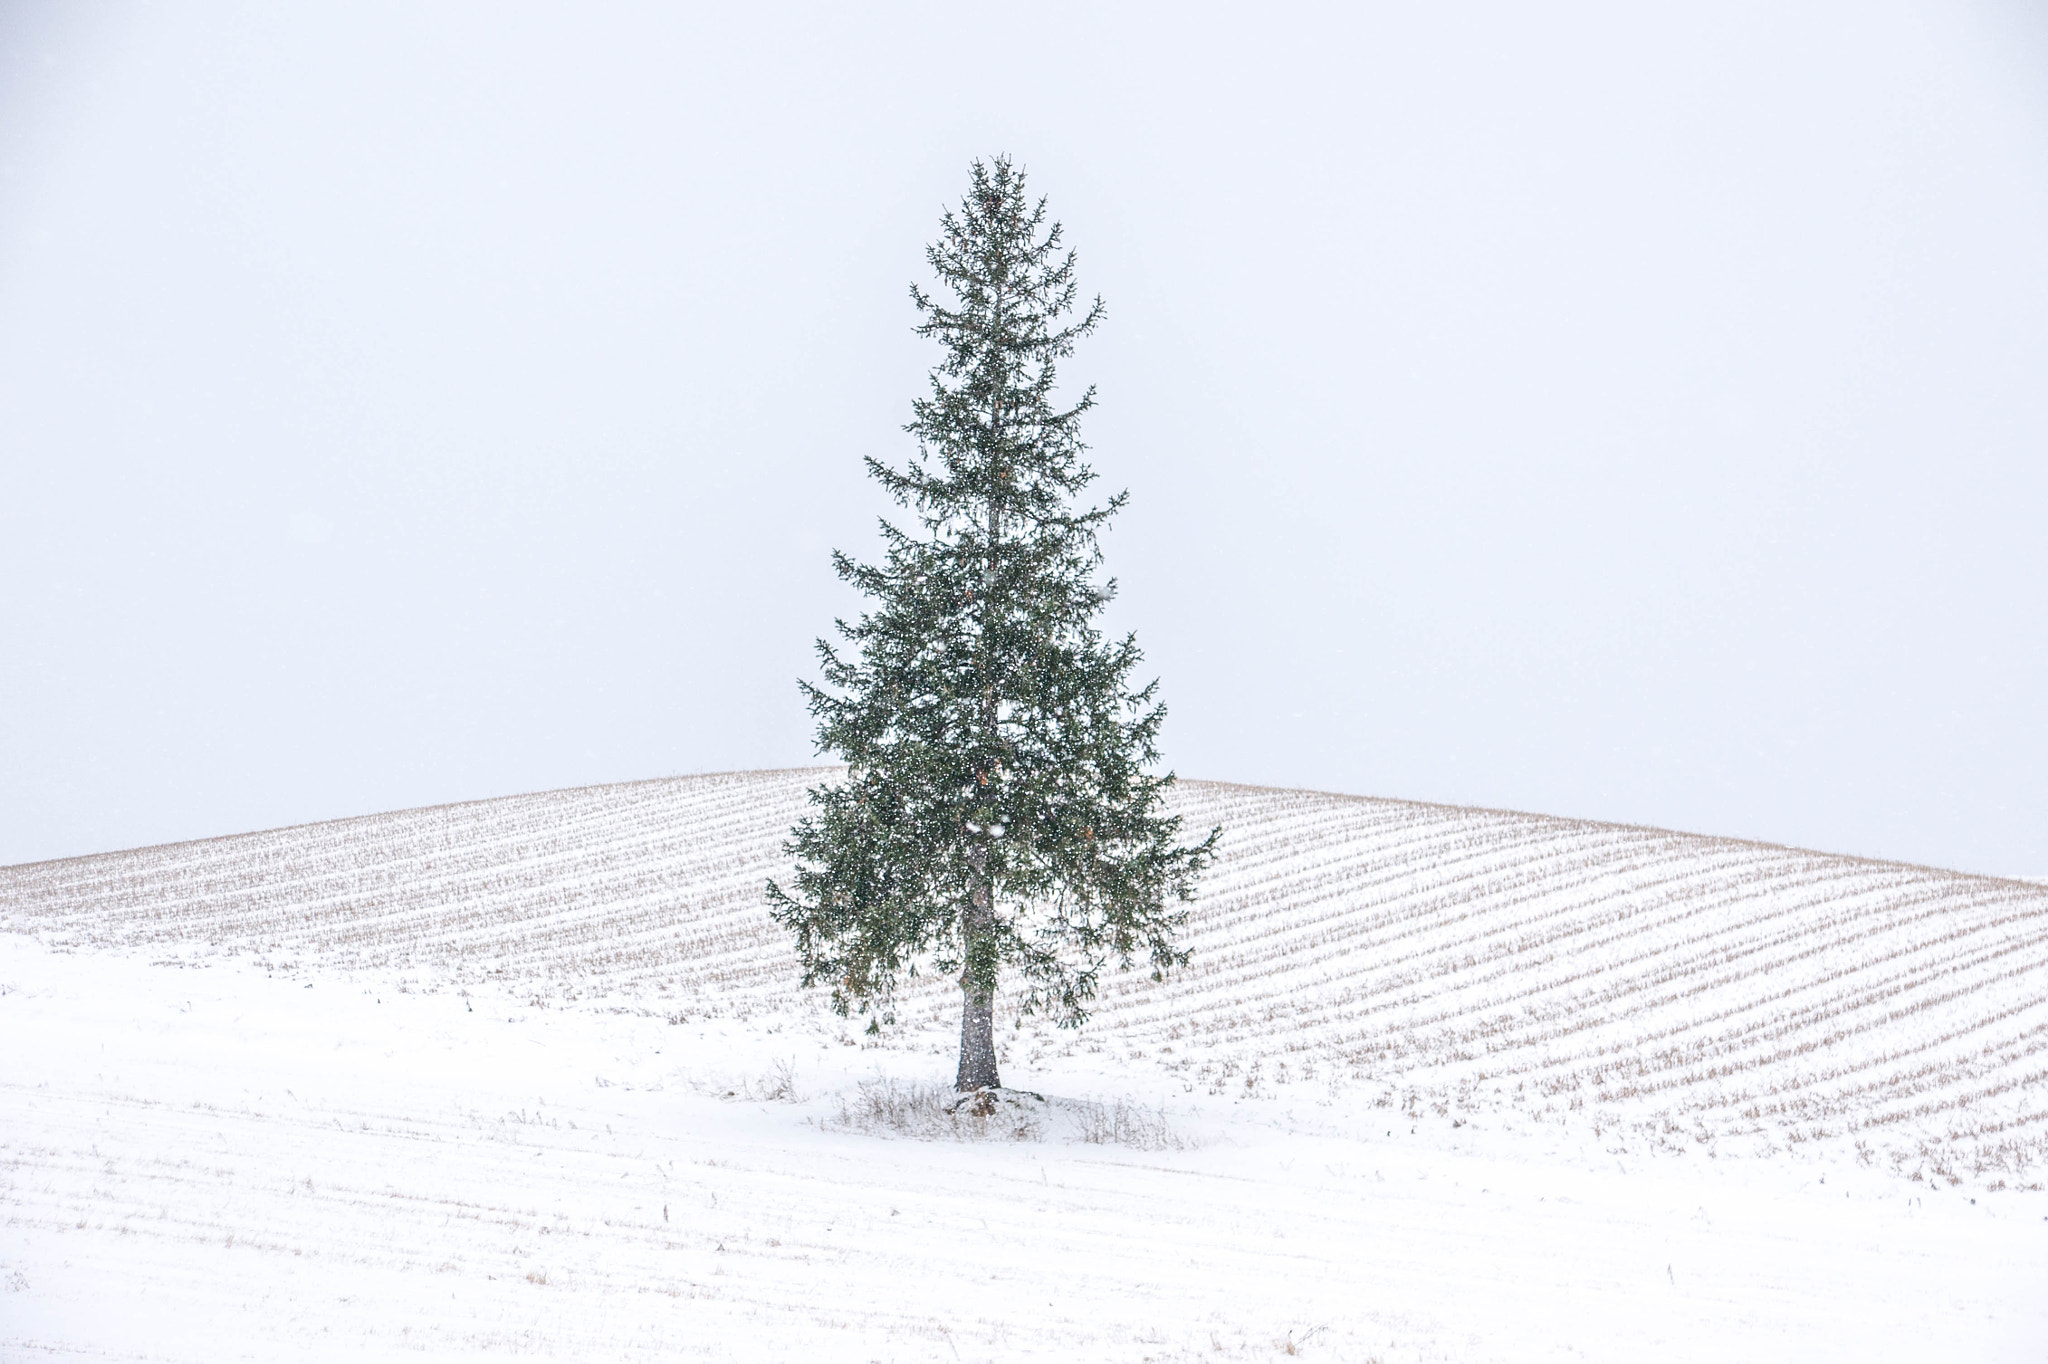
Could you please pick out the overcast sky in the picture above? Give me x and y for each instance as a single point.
(1633, 412)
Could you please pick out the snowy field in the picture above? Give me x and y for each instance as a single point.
(527, 1077)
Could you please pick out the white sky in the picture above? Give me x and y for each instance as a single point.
(1637, 416)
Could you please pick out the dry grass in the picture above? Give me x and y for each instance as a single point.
(888, 1107)
(1123, 1123)
(923, 1112)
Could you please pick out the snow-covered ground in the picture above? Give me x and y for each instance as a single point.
(528, 1077)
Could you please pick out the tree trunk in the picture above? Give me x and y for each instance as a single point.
(977, 1005)
(977, 1039)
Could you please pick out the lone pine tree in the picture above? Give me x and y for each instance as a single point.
(999, 808)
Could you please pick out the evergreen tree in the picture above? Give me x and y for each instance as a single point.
(998, 808)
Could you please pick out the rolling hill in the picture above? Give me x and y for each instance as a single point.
(1666, 991)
